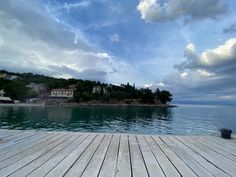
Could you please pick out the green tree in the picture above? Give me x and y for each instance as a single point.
(164, 96)
(16, 90)
(147, 96)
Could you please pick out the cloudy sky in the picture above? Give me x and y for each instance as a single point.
(187, 47)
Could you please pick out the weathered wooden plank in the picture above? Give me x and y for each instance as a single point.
(110, 163)
(214, 154)
(198, 158)
(26, 160)
(137, 162)
(25, 170)
(188, 160)
(152, 165)
(18, 150)
(41, 153)
(216, 148)
(229, 143)
(123, 163)
(168, 168)
(183, 169)
(14, 139)
(222, 145)
(30, 151)
(97, 160)
(7, 133)
(208, 156)
(45, 168)
(15, 135)
(61, 168)
(80, 164)
(33, 141)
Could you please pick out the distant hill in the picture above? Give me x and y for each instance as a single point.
(16, 87)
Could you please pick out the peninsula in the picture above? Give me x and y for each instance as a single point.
(35, 88)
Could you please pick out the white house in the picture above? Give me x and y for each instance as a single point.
(62, 93)
(99, 89)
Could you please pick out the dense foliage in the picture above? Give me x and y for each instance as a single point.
(17, 89)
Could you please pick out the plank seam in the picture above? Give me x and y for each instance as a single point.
(42, 154)
(67, 155)
(131, 167)
(167, 156)
(92, 155)
(154, 156)
(179, 157)
(142, 156)
(29, 148)
(105, 155)
(193, 158)
(205, 158)
(117, 156)
(55, 154)
(214, 150)
(26, 156)
(81, 155)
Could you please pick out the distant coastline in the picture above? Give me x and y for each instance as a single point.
(117, 105)
(89, 104)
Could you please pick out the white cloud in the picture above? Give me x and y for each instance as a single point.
(158, 11)
(46, 47)
(103, 55)
(114, 37)
(206, 75)
(220, 56)
(160, 84)
(148, 86)
(69, 6)
(184, 74)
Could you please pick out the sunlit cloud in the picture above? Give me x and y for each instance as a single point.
(159, 11)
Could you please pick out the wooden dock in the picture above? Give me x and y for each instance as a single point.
(55, 154)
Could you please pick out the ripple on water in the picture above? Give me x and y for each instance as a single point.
(188, 119)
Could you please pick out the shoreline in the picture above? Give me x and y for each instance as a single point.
(88, 104)
(116, 105)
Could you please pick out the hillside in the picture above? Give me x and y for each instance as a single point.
(16, 86)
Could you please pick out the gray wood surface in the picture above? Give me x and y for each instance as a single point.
(41, 153)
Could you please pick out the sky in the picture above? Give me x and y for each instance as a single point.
(186, 47)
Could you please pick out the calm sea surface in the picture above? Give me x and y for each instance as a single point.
(184, 119)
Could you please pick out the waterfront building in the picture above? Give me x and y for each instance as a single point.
(99, 89)
(63, 93)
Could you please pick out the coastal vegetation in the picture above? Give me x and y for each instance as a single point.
(15, 86)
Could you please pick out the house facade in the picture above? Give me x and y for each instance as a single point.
(99, 89)
(62, 93)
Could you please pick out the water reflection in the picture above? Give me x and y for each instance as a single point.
(147, 120)
(104, 119)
